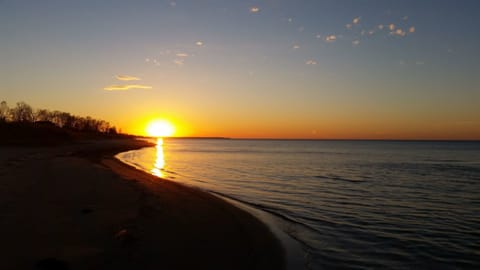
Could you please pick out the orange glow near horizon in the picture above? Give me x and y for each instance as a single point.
(249, 124)
(323, 128)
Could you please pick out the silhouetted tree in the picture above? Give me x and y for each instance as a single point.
(103, 126)
(25, 114)
(62, 119)
(43, 115)
(22, 113)
(4, 111)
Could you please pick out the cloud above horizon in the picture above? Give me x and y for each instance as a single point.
(254, 9)
(126, 87)
(127, 78)
(331, 38)
(179, 62)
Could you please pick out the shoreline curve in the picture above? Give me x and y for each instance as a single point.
(76, 205)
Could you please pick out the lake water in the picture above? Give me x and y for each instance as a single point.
(351, 204)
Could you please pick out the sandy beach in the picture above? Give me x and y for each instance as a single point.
(74, 206)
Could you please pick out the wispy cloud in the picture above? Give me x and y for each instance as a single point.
(331, 38)
(311, 62)
(126, 87)
(254, 9)
(182, 54)
(179, 62)
(398, 32)
(199, 43)
(127, 78)
(356, 31)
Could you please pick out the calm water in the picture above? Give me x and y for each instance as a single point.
(351, 204)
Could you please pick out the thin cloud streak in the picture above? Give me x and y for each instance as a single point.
(127, 78)
(126, 87)
(179, 62)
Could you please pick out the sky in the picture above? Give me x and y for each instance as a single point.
(334, 69)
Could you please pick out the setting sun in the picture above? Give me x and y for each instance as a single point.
(160, 128)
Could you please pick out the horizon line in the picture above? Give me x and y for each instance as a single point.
(313, 139)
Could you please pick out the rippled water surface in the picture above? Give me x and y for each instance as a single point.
(352, 204)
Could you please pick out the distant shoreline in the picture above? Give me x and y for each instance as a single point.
(306, 139)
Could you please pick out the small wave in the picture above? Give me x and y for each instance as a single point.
(456, 168)
(270, 210)
(168, 171)
(338, 178)
(445, 160)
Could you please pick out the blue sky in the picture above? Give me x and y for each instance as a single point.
(366, 69)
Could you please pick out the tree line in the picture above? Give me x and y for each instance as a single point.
(24, 114)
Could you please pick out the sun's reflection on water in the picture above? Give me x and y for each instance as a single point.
(159, 160)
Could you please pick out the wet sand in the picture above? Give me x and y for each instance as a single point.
(76, 207)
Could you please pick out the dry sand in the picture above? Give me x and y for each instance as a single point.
(76, 207)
